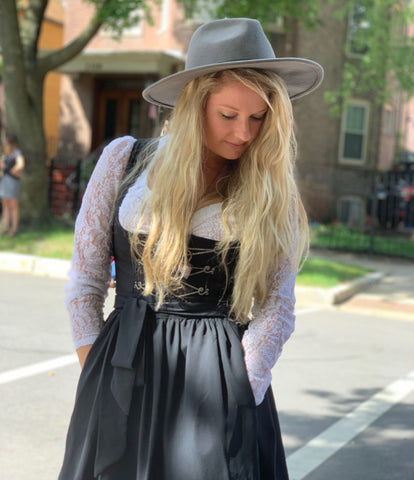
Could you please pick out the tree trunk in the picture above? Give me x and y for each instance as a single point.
(25, 121)
(23, 86)
(33, 201)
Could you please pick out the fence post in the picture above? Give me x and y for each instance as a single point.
(374, 208)
(50, 186)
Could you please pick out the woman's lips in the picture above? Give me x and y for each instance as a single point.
(236, 146)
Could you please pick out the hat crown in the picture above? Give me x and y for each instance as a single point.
(234, 43)
(228, 40)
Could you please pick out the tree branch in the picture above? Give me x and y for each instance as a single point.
(14, 71)
(59, 57)
(54, 59)
(30, 26)
(113, 13)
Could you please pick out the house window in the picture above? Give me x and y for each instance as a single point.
(165, 17)
(350, 212)
(134, 29)
(354, 133)
(200, 11)
(357, 26)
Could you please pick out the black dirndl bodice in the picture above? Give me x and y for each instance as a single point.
(164, 393)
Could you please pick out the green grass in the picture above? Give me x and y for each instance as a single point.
(56, 241)
(318, 272)
(53, 241)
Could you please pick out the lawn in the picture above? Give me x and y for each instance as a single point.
(53, 241)
(320, 272)
(56, 241)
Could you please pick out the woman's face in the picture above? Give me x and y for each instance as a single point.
(8, 147)
(233, 116)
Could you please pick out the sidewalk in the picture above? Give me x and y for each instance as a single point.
(391, 291)
(390, 288)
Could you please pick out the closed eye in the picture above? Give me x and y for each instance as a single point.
(253, 117)
(258, 118)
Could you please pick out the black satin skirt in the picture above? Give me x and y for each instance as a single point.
(164, 395)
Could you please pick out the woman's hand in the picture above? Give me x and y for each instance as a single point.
(83, 353)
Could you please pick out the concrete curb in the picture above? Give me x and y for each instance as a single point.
(54, 268)
(46, 267)
(337, 294)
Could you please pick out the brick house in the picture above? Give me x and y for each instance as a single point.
(101, 99)
(101, 91)
(407, 118)
(51, 37)
(338, 156)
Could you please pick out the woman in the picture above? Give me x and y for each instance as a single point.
(177, 384)
(12, 167)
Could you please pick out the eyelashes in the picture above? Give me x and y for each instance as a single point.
(232, 117)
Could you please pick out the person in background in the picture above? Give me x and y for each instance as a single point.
(112, 282)
(11, 166)
(208, 232)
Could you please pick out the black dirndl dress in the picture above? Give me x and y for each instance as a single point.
(164, 394)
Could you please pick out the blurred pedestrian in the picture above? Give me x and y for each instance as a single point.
(112, 282)
(207, 224)
(11, 166)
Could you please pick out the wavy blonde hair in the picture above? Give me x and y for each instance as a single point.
(262, 209)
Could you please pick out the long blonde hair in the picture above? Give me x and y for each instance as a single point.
(262, 209)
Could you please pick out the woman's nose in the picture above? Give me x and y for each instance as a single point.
(243, 131)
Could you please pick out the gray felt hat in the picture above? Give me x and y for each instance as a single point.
(234, 43)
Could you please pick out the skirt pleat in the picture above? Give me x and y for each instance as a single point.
(190, 415)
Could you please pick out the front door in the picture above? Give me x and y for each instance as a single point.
(121, 112)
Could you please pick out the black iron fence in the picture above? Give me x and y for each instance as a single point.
(387, 225)
(67, 182)
(394, 192)
(64, 193)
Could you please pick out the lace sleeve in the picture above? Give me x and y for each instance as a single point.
(270, 328)
(90, 270)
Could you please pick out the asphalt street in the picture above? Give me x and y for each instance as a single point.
(344, 388)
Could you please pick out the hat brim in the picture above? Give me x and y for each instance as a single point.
(301, 76)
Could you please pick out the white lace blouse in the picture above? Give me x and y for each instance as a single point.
(87, 288)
